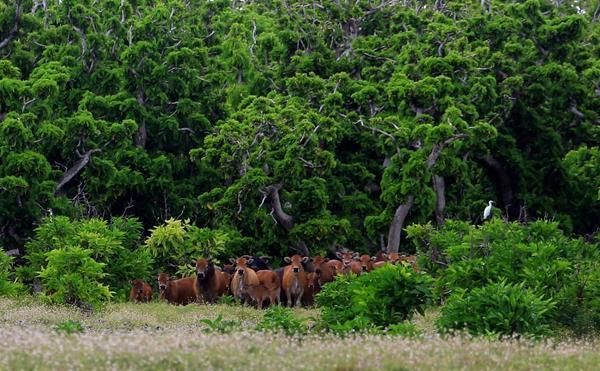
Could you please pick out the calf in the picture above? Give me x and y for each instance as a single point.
(243, 279)
(336, 266)
(227, 279)
(324, 272)
(381, 256)
(179, 291)
(209, 283)
(348, 262)
(311, 288)
(294, 279)
(229, 269)
(140, 292)
(366, 263)
(269, 288)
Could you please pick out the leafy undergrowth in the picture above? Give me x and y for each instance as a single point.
(160, 336)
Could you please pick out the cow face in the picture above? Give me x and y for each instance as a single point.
(257, 263)
(314, 281)
(366, 262)
(394, 258)
(202, 268)
(296, 262)
(163, 281)
(138, 287)
(318, 262)
(229, 268)
(346, 257)
(240, 265)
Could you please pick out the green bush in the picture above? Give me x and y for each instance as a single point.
(278, 318)
(177, 244)
(8, 287)
(69, 327)
(537, 255)
(374, 301)
(220, 325)
(115, 244)
(497, 309)
(73, 277)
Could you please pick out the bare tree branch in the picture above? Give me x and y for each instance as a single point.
(15, 28)
(75, 169)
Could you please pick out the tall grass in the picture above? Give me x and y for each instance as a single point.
(161, 336)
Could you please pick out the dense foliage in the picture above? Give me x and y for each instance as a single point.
(497, 309)
(298, 126)
(537, 258)
(374, 301)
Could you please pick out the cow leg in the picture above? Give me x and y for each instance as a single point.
(299, 298)
(288, 295)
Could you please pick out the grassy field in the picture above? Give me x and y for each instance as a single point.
(160, 336)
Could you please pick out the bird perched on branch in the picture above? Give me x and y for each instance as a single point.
(487, 213)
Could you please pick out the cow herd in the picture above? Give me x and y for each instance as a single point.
(250, 280)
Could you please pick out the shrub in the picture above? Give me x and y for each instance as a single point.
(220, 325)
(383, 297)
(497, 309)
(8, 287)
(178, 244)
(278, 318)
(73, 277)
(538, 255)
(115, 244)
(69, 327)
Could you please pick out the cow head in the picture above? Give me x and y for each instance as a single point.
(240, 265)
(257, 263)
(229, 268)
(346, 257)
(318, 262)
(163, 282)
(314, 281)
(204, 268)
(296, 262)
(394, 258)
(381, 256)
(138, 287)
(366, 262)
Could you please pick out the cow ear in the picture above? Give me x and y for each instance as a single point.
(338, 254)
(246, 257)
(325, 260)
(306, 259)
(287, 259)
(373, 258)
(266, 259)
(232, 260)
(355, 255)
(251, 260)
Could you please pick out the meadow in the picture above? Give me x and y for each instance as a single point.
(36, 336)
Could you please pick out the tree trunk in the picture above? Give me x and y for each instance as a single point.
(503, 180)
(283, 218)
(439, 186)
(398, 223)
(75, 169)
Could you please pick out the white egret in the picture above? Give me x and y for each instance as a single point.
(488, 210)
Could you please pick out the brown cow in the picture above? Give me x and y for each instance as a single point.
(140, 292)
(179, 291)
(269, 288)
(336, 266)
(227, 279)
(209, 283)
(229, 269)
(294, 279)
(381, 256)
(324, 272)
(242, 280)
(311, 288)
(348, 262)
(366, 263)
